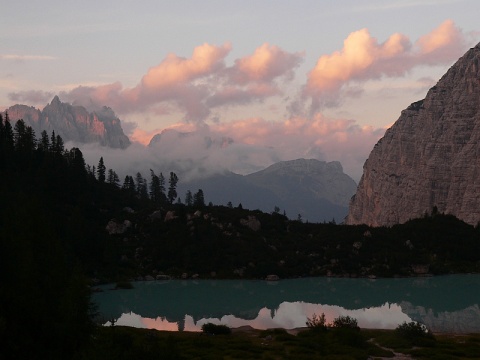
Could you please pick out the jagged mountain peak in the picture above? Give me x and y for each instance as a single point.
(73, 123)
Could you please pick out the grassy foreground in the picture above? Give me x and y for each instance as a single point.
(341, 343)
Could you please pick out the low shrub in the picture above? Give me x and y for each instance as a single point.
(317, 322)
(416, 333)
(213, 329)
(345, 322)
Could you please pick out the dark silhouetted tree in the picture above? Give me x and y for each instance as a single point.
(188, 198)
(172, 187)
(44, 142)
(113, 178)
(101, 169)
(141, 186)
(156, 194)
(199, 198)
(129, 184)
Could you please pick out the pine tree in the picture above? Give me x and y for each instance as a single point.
(141, 186)
(129, 184)
(44, 142)
(188, 198)
(161, 180)
(53, 142)
(199, 199)
(59, 146)
(155, 191)
(101, 170)
(113, 178)
(19, 131)
(76, 161)
(172, 188)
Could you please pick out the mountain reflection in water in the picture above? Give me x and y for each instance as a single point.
(444, 303)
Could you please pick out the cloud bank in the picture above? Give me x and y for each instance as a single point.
(204, 82)
(197, 84)
(362, 58)
(242, 146)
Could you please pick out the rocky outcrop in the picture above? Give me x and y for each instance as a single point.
(252, 223)
(113, 227)
(429, 158)
(73, 123)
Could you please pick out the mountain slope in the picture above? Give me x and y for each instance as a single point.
(316, 190)
(430, 157)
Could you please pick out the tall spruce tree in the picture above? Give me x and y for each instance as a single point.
(188, 198)
(156, 194)
(172, 187)
(101, 170)
(199, 199)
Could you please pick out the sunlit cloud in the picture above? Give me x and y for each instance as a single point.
(265, 64)
(363, 58)
(197, 84)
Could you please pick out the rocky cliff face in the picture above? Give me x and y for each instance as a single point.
(429, 157)
(73, 123)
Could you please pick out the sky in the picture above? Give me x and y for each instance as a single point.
(283, 79)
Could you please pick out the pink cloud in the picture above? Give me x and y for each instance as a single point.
(172, 81)
(362, 58)
(195, 85)
(265, 64)
(234, 95)
(174, 70)
(443, 45)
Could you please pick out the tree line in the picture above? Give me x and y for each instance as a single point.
(53, 211)
(21, 140)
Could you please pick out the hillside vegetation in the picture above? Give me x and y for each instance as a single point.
(64, 223)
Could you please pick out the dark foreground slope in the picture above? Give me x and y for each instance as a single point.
(61, 224)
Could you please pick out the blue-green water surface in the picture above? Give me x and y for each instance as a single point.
(443, 303)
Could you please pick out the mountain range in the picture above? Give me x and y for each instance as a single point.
(313, 190)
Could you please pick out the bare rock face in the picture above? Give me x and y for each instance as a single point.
(429, 157)
(73, 123)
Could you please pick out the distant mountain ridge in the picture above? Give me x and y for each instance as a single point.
(73, 123)
(316, 190)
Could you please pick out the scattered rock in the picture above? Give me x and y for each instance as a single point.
(272, 277)
(251, 222)
(170, 215)
(156, 215)
(113, 227)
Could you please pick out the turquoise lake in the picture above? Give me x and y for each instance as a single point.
(443, 303)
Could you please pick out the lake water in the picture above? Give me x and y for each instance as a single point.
(444, 303)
